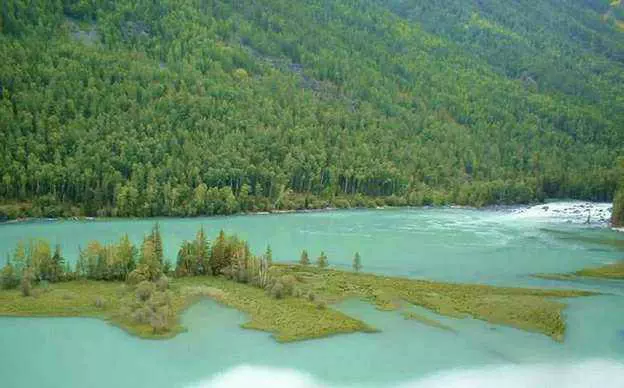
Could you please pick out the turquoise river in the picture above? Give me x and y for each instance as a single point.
(457, 245)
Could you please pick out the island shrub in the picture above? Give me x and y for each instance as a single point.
(144, 290)
(162, 284)
(26, 283)
(8, 277)
(288, 282)
(99, 302)
(142, 314)
(277, 290)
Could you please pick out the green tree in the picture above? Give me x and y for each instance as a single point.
(26, 282)
(157, 243)
(357, 262)
(322, 261)
(304, 259)
(57, 272)
(185, 264)
(219, 258)
(201, 252)
(617, 216)
(8, 277)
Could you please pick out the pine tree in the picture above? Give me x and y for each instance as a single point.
(322, 261)
(158, 245)
(218, 254)
(151, 267)
(305, 259)
(185, 262)
(58, 265)
(202, 254)
(127, 255)
(357, 262)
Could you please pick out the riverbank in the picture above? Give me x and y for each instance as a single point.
(302, 316)
(569, 212)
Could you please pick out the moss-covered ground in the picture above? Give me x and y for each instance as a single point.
(303, 317)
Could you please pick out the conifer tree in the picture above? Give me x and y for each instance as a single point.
(322, 261)
(357, 262)
(304, 259)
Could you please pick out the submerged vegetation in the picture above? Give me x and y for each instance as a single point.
(414, 316)
(137, 290)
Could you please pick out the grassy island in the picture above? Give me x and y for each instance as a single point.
(138, 291)
(610, 271)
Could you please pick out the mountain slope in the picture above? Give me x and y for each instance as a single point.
(187, 107)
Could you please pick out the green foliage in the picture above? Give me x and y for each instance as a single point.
(304, 259)
(8, 277)
(220, 257)
(322, 261)
(357, 262)
(268, 255)
(107, 262)
(277, 290)
(144, 290)
(618, 209)
(26, 282)
(144, 108)
(194, 257)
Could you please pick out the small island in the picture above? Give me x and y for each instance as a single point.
(138, 290)
(613, 271)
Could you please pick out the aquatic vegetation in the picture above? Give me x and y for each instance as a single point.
(131, 308)
(609, 271)
(535, 310)
(414, 316)
(555, 276)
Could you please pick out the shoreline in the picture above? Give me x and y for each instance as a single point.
(518, 209)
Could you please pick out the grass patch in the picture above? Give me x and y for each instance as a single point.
(300, 318)
(289, 319)
(534, 310)
(610, 271)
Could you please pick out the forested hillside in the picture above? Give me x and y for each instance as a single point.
(189, 107)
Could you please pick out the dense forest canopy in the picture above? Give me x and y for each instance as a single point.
(188, 107)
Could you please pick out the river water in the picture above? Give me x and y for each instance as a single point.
(500, 247)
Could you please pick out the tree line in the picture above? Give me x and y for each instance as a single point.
(35, 262)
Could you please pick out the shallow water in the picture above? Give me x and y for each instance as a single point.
(464, 245)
